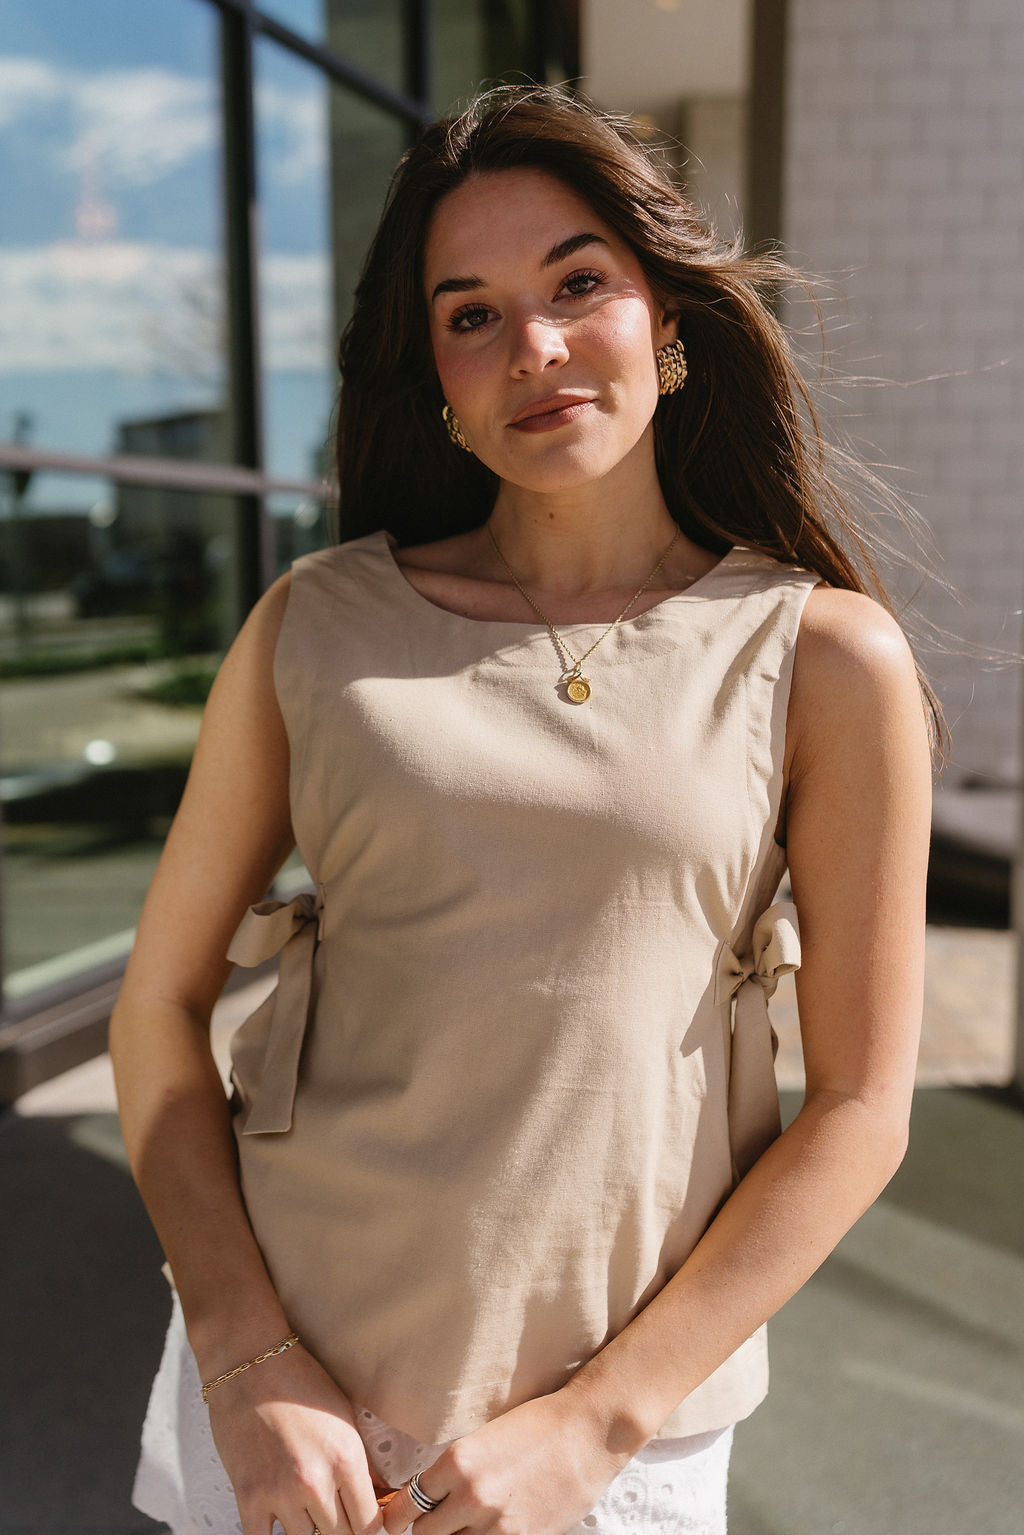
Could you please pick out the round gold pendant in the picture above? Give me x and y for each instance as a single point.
(578, 690)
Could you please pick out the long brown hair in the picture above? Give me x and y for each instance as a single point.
(740, 453)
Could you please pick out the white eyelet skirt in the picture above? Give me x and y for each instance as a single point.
(672, 1487)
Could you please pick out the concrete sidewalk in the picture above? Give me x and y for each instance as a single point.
(897, 1403)
(897, 1400)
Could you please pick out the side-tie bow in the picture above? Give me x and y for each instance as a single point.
(265, 1052)
(751, 980)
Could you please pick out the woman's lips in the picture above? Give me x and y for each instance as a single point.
(548, 417)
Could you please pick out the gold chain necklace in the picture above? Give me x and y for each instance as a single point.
(577, 686)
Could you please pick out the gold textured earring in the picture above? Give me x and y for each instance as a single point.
(671, 360)
(451, 421)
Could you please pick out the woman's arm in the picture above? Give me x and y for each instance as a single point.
(858, 818)
(230, 836)
(858, 814)
(283, 1428)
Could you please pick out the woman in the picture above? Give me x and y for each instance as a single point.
(506, 1149)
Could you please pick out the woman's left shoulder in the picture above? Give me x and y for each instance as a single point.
(848, 639)
(855, 680)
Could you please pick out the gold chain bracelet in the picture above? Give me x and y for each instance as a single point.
(278, 1348)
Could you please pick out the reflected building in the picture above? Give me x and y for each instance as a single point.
(178, 537)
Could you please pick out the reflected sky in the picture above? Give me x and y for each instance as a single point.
(111, 226)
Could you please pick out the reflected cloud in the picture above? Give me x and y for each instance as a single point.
(141, 124)
(84, 306)
(295, 126)
(26, 85)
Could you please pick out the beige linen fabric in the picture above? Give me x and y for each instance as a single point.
(519, 1052)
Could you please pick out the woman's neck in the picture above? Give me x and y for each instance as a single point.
(593, 539)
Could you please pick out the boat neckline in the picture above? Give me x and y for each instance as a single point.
(535, 624)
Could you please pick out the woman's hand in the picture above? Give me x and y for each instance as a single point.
(536, 1470)
(288, 1441)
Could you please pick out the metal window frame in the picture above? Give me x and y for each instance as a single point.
(175, 473)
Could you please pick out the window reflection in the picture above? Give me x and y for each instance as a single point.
(369, 33)
(365, 148)
(117, 600)
(111, 273)
(303, 16)
(114, 614)
(478, 41)
(326, 159)
(295, 277)
(300, 525)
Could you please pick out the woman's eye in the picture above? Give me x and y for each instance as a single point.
(579, 284)
(470, 318)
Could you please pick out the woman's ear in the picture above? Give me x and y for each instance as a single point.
(668, 328)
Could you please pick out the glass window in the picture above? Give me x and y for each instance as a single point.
(117, 601)
(370, 33)
(300, 524)
(295, 278)
(476, 42)
(366, 145)
(116, 604)
(325, 161)
(306, 17)
(111, 275)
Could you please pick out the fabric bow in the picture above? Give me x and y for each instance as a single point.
(277, 1028)
(754, 1120)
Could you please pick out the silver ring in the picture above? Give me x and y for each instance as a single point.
(422, 1501)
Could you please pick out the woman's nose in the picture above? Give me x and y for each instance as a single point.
(538, 342)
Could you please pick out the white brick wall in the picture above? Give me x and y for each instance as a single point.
(904, 180)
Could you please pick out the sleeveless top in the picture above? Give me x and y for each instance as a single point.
(519, 1051)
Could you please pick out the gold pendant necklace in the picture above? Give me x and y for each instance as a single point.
(577, 687)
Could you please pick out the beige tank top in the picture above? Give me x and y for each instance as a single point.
(519, 1051)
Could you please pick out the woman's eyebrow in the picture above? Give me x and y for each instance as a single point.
(560, 252)
(566, 248)
(457, 285)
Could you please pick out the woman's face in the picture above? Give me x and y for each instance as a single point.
(544, 330)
